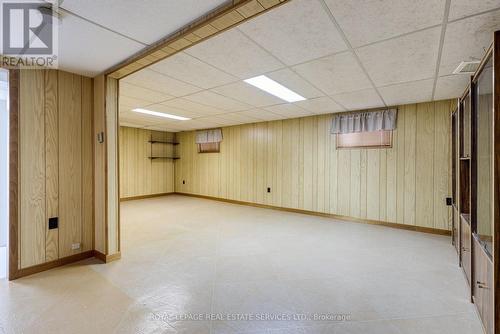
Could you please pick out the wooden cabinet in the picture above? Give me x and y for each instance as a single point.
(465, 247)
(476, 176)
(483, 286)
(456, 229)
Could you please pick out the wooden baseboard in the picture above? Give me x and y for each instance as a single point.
(107, 258)
(50, 265)
(328, 215)
(124, 199)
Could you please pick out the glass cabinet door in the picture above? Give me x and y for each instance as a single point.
(484, 156)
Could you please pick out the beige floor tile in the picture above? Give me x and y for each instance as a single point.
(184, 256)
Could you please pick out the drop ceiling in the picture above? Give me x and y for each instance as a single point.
(95, 35)
(340, 54)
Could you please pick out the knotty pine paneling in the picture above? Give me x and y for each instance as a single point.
(55, 165)
(298, 160)
(139, 175)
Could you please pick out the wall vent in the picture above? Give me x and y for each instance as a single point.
(467, 67)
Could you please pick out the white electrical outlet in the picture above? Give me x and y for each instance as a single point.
(75, 246)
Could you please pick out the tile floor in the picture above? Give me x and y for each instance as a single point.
(186, 259)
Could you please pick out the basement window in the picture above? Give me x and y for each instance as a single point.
(372, 139)
(208, 148)
(208, 141)
(364, 129)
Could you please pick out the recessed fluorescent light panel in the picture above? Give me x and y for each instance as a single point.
(160, 114)
(274, 88)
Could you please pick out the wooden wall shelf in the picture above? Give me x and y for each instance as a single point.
(173, 158)
(163, 142)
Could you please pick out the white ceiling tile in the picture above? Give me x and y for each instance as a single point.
(217, 101)
(363, 99)
(468, 39)
(261, 114)
(335, 74)
(462, 8)
(201, 123)
(320, 105)
(159, 82)
(240, 117)
(408, 58)
(298, 31)
(236, 54)
(451, 86)
(131, 102)
(248, 94)
(369, 21)
(196, 108)
(289, 110)
(146, 21)
(184, 67)
(137, 92)
(294, 82)
(87, 49)
(409, 92)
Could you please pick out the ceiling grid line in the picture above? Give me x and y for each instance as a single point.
(441, 44)
(289, 68)
(348, 43)
(64, 10)
(403, 68)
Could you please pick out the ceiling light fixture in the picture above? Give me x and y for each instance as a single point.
(160, 114)
(274, 88)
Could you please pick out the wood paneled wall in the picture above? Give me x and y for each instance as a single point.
(139, 175)
(298, 160)
(55, 158)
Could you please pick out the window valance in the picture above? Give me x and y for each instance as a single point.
(365, 121)
(208, 136)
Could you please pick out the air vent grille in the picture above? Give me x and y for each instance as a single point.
(467, 67)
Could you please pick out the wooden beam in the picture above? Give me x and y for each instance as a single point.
(221, 19)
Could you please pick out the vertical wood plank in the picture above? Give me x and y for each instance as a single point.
(383, 185)
(344, 181)
(355, 184)
(99, 166)
(442, 168)
(70, 162)
(373, 185)
(51, 164)
(308, 156)
(400, 166)
(409, 164)
(32, 168)
(424, 161)
(363, 206)
(87, 170)
(392, 174)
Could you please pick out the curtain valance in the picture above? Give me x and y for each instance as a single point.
(209, 136)
(364, 121)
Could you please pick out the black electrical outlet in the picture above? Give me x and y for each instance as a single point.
(53, 223)
(268, 189)
(183, 181)
(448, 201)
